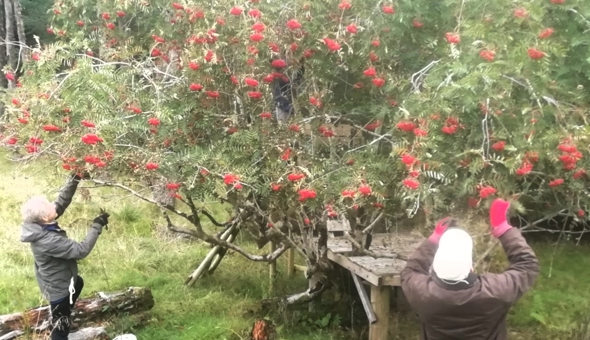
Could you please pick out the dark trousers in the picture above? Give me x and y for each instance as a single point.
(61, 312)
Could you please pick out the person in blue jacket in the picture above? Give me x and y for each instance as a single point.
(284, 90)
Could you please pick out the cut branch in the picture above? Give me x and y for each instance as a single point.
(205, 264)
(307, 296)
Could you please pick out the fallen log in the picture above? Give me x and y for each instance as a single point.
(90, 333)
(98, 309)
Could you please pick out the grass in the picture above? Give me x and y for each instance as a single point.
(136, 251)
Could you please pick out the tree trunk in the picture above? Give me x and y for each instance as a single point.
(11, 51)
(3, 59)
(133, 300)
(20, 30)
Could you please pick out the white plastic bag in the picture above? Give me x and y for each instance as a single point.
(126, 337)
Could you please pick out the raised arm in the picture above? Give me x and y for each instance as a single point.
(65, 248)
(520, 276)
(418, 265)
(66, 194)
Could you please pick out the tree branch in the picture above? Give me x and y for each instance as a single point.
(210, 217)
(374, 223)
(200, 234)
(309, 295)
(287, 240)
(138, 195)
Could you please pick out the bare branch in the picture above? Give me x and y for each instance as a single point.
(195, 213)
(374, 223)
(486, 253)
(384, 136)
(200, 234)
(417, 78)
(289, 242)
(210, 217)
(138, 195)
(309, 295)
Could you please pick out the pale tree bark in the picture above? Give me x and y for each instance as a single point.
(20, 29)
(3, 81)
(11, 51)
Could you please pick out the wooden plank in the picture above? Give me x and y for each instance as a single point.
(384, 268)
(290, 262)
(337, 225)
(339, 245)
(391, 281)
(364, 299)
(380, 302)
(355, 268)
(343, 134)
(272, 266)
(380, 271)
(387, 269)
(383, 243)
(300, 268)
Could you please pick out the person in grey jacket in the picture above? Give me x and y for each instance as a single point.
(56, 267)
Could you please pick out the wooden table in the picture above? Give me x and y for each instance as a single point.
(381, 273)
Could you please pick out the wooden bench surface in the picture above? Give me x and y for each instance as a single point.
(377, 271)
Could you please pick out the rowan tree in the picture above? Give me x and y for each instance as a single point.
(398, 108)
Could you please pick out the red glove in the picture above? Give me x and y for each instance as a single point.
(498, 219)
(441, 227)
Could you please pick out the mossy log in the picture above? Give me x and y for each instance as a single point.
(86, 311)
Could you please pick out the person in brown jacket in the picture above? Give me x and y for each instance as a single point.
(451, 300)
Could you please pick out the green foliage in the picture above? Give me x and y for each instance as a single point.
(227, 302)
(477, 109)
(35, 18)
(219, 307)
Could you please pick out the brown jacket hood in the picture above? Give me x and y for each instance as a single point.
(475, 309)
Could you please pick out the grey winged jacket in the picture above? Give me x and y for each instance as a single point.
(55, 254)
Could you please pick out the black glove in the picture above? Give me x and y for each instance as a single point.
(80, 176)
(102, 219)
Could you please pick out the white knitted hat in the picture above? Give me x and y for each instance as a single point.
(454, 258)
